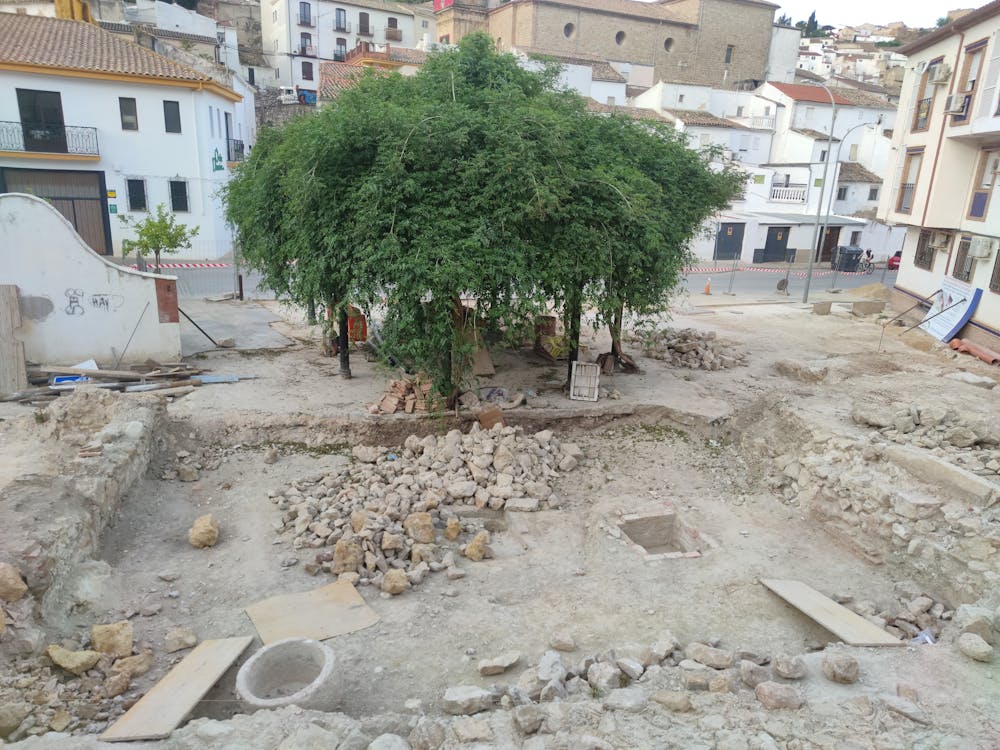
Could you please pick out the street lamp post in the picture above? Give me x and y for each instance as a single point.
(829, 203)
(819, 209)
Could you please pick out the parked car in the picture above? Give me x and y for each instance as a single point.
(893, 263)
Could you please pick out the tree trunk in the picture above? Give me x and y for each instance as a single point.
(622, 360)
(311, 312)
(574, 310)
(156, 256)
(343, 344)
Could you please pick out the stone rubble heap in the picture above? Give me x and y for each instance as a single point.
(380, 520)
(696, 350)
(967, 440)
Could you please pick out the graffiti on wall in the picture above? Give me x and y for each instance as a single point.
(78, 300)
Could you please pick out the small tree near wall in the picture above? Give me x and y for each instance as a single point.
(158, 233)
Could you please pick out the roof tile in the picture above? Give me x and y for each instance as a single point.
(77, 45)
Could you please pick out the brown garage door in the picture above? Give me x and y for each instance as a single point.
(79, 196)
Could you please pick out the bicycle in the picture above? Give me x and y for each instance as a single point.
(866, 266)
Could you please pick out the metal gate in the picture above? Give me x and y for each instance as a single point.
(729, 241)
(79, 196)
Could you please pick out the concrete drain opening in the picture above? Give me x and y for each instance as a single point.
(663, 535)
(295, 671)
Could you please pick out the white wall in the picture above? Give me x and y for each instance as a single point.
(149, 153)
(281, 34)
(783, 55)
(79, 305)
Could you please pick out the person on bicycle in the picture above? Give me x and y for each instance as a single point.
(868, 255)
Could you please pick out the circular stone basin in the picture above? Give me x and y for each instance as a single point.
(295, 671)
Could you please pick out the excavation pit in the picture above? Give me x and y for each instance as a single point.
(295, 671)
(663, 535)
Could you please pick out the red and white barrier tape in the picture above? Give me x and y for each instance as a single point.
(185, 265)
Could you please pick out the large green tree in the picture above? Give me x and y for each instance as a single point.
(473, 180)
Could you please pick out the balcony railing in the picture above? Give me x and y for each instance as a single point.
(762, 123)
(305, 20)
(48, 139)
(789, 193)
(366, 31)
(344, 26)
(393, 35)
(905, 204)
(235, 150)
(307, 50)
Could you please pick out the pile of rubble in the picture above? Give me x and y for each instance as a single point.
(696, 350)
(410, 396)
(967, 440)
(379, 520)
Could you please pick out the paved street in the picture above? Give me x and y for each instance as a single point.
(764, 282)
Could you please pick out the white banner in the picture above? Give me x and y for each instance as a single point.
(952, 309)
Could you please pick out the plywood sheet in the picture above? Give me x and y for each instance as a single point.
(851, 628)
(164, 707)
(326, 612)
(13, 375)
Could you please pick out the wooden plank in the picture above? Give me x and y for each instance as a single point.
(331, 610)
(163, 708)
(851, 628)
(112, 374)
(13, 375)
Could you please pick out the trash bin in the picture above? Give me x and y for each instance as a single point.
(846, 258)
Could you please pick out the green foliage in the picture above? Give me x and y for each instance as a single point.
(157, 233)
(473, 179)
(784, 20)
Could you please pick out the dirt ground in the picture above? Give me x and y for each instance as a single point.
(687, 440)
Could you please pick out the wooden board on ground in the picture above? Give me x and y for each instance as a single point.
(482, 363)
(163, 708)
(851, 628)
(331, 610)
(13, 375)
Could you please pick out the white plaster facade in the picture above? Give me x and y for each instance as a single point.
(297, 35)
(198, 156)
(75, 304)
(783, 57)
(944, 167)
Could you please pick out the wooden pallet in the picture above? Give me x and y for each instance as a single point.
(851, 628)
(163, 708)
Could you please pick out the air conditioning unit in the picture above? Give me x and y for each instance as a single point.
(982, 247)
(940, 239)
(955, 104)
(941, 74)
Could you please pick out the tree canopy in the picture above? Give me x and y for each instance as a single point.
(479, 180)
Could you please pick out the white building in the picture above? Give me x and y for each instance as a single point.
(944, 169)
(299, 34)
(589, 76)
(101, 127)
(783, 55)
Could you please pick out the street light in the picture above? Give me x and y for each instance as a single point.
(829, 203)
(819, 209)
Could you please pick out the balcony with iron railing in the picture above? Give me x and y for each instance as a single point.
(307, 50)
(235, 150)
(905, 203)
(789, 193)
(342, 26)
(48, 139)
(306, 19)
(393, 35)
(923, 113)
(366, 31)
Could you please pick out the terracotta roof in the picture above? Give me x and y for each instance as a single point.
(808, 75)
(814, 134)
(632, 91)
(58, 43)
(872, 88)
(851, 171)
(636, 113)
(859, 98)
(407, 55)
(703, 119)
(803, 93)
(601, 70)
(388, 7)
(337, 77)
(180, 35)
(114, 26)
